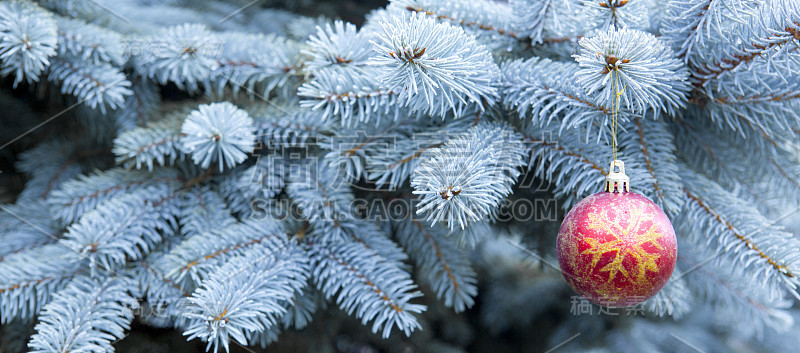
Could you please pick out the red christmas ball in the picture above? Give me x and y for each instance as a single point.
(616, 248)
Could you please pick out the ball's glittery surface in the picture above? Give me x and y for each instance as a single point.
(616, 249)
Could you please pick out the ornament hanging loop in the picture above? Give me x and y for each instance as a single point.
(617, 181)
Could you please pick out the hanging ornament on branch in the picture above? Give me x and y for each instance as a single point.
(616, 248)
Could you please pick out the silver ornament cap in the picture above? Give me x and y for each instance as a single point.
(617, 181)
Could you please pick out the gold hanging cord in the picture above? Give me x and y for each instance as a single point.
(614, 114)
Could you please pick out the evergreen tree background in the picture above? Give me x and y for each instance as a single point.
(345, 176)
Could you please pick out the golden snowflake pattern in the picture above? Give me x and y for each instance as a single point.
(625, 244)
